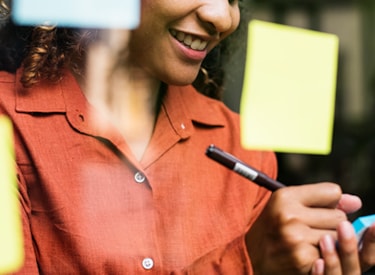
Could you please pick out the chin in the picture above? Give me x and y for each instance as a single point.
(182, 79)
(181, 83)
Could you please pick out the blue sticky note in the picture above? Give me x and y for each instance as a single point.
(78, 13)
(361, 224)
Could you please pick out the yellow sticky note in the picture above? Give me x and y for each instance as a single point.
(288, 97)
(11, 241)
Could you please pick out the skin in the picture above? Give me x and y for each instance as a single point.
(296, 232)
(211, 21)
(154, 55)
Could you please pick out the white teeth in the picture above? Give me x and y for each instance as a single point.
(180, 36)
(195, 45)
(203, 45)
(198, 45)
(188, 40)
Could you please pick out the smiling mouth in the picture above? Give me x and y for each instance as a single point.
(190, 41)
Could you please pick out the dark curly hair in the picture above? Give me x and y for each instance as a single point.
(45, 50)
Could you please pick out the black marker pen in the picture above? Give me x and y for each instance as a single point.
(242, 168)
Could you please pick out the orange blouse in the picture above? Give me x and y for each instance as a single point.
(89, 207)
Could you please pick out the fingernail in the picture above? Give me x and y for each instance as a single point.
(346, 230)
(328, 243)
(318, 267)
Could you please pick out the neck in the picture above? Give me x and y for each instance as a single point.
(128, 97)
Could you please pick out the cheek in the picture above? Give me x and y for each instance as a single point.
(235, 15)
(235, 18)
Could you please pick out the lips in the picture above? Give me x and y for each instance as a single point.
(190, 41)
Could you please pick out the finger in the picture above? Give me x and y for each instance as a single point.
(312, 204)
(296, 232)
(367, 254)
(324, 194)
(301, 260)
(348, 249)
(349, 203)
(330, 256)
(323, 218)
(318, 267)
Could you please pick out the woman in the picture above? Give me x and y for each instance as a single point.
(121, 185)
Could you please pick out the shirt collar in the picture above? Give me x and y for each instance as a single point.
(41, 98)
(186, 101)
(183, 104)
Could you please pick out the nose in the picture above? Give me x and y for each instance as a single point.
(219, 15)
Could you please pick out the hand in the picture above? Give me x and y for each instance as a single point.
(350, 204)
(339, 258)
(367, 252)
(285, 239)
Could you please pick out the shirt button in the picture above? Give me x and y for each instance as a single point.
(139, 177)
(147, 263)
